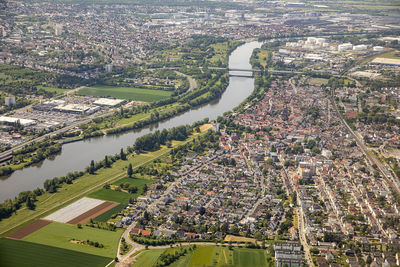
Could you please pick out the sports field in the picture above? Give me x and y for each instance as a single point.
(131, 93)
(60, 234)
(19, 253)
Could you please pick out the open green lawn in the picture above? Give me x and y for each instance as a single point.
(20, 253)
(148, 258)
(130, 93)
(53, 89)
(60, 234)
(122, 197)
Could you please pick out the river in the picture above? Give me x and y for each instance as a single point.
(76, 156)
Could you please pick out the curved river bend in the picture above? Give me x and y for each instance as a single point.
(76, 156)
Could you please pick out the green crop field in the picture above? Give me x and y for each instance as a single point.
(148, 258)
(107, 215)
(249, 257)
(20, 253)
(131, 93)
(111, 195)
(209, 256)
(60, 234)
(203, 256)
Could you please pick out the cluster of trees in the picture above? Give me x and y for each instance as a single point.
(153, 141)
(153, 241)
(227, 162)
(130, 188)
(51, 185)
(105, 163)
(8, 207)
(284, 227)
(167, 258)
(376, 115)
(101, 225)
(20, 81)
(88, 242)
(296, 149)
(31, 154)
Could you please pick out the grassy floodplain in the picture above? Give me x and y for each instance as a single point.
(60, 234)
(20, 253)
(131, 93)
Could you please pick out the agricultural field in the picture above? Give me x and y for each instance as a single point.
(19, 253)
(131, 93)
(148, 257)
(29, 229)
(209, 256)
(73, 210)
(60, 235)
(107, 215)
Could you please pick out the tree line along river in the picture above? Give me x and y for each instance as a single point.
(76, 156)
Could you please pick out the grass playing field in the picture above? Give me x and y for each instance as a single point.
(60, 234)
(130, 93)
(20, 253)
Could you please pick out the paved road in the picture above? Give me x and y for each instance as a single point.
(303, 239)
(192, 82)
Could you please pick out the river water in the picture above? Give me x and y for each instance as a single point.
(76, 156)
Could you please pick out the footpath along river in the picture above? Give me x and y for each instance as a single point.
(76, 156)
